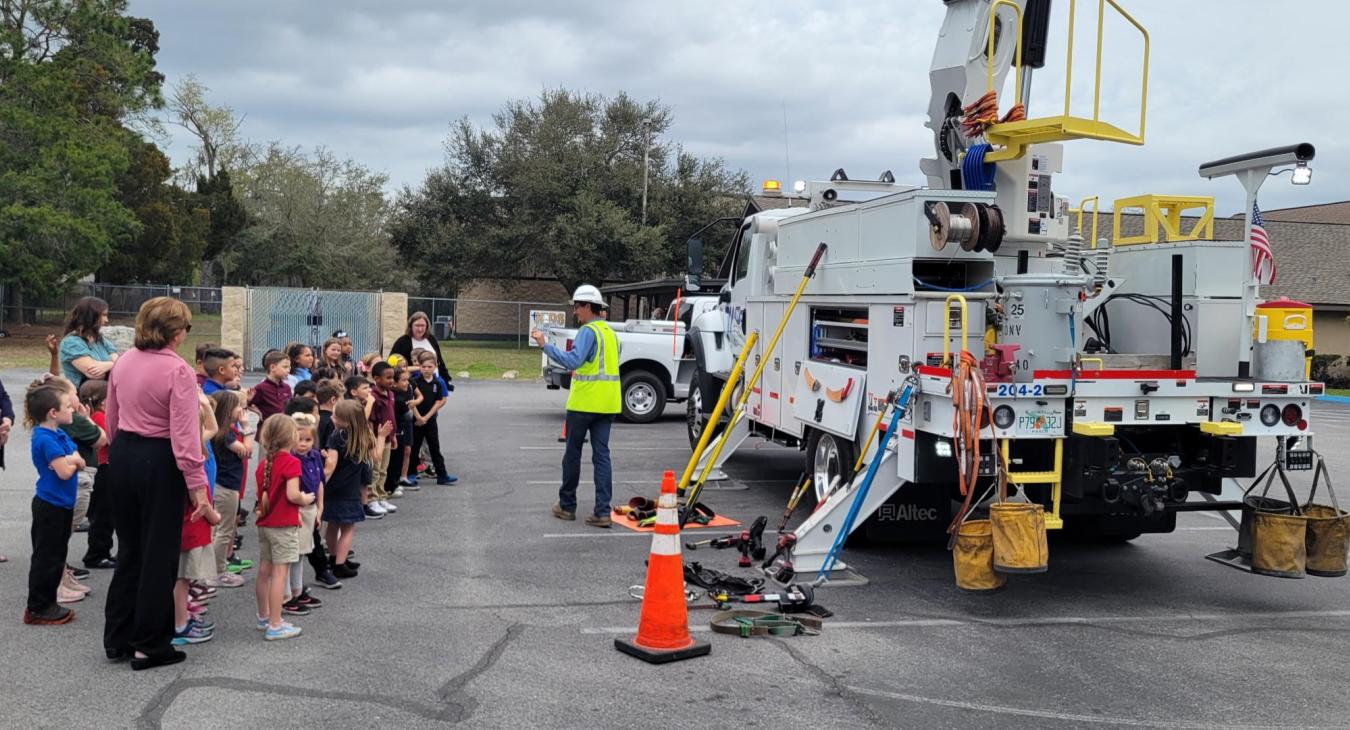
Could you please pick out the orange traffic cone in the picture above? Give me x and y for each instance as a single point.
(663, 628)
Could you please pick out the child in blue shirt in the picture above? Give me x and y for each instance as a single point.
(47, 407)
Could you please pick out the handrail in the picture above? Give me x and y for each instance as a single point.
(947, 327)
(1017, 60)
(1096, 206)
(1097, 75)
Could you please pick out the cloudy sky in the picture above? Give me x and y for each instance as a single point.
(380, 81)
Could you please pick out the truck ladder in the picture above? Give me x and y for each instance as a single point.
(734, 438)
(817, 533)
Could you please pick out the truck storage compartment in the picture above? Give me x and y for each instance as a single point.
(839, 335)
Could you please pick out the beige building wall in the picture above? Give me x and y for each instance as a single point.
(233, 317)
(490, 307)
(1331, 335)
(393, 318)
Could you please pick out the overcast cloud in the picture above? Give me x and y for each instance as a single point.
(379, 82)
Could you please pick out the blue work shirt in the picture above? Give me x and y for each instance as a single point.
(583, 348)
(49, 444)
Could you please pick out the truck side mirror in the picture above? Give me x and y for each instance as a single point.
(693, 272)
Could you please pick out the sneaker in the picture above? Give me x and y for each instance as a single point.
(563, 514)
(70, 584)
(411, 486)
(51, 617)
(202, 593)
(243, 563)
(101, 564)
(238, 542)
(262, 623)
(66, 595)
(388, 507)
(308, 601)
(398, 492)
(79, 573)
(225, 580)
(196, 609)
(376, 506)
(371, 514)
(191, 634)
(293, 608)
(202, 622)
(342, 570)
(327, 580)
(284, 631)
(599, 520)
(408, 482)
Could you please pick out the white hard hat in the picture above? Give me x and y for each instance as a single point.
(589, 294)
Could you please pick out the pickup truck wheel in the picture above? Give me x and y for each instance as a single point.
(694, 417)
(644, 397)
(828, 457)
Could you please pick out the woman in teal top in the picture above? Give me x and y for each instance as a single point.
(84, 353)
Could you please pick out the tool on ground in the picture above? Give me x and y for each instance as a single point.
(762, 623)
(898, 407)
(793, 501)
(795, 597)
(779, 565)
(750, 542)
(698, 513)
(663, 625)
(739, 412)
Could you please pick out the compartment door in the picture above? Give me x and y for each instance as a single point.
(830, 397)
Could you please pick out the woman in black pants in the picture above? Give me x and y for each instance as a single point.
(155, 465)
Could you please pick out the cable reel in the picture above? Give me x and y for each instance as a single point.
(974, 227)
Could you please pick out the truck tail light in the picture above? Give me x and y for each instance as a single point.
(1291, 414)
(1270, 415)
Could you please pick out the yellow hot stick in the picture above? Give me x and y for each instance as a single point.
(872, 435)
(716, 418)
(759, 370)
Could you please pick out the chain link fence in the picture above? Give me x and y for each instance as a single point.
(36, 317)
(482, 319)
(280, 315)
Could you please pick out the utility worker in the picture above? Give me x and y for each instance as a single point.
(593, 402)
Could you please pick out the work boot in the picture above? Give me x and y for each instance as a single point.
(599, 520)
(563, 514)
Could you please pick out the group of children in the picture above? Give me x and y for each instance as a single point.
(336, 440)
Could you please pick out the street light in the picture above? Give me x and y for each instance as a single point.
(1302, 174)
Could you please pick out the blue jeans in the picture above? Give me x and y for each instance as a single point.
(578, 425)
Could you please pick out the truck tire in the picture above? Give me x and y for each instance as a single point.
(644, 397)
(827, 457)
(701, 396)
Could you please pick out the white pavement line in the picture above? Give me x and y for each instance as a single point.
(616, 533)
(1042, 621)
(612, 448)
(1052, 715)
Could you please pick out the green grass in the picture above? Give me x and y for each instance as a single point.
(488, 360)
(1339, 391)
(26, 346)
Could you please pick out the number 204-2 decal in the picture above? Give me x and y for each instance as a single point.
(1013, 390)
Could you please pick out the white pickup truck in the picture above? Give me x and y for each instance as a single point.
(654, 360)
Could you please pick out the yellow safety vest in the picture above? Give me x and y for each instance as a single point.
(595, 385)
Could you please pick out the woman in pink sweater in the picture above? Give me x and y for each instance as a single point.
(156, 464)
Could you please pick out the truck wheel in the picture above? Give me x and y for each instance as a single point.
(828, 457)
(644, 397)
(694, 417)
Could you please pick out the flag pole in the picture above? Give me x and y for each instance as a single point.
(1251, 182)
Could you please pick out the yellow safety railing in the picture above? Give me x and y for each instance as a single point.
(1054, 478)
(1082, 207)
(1165, 213)
(1017, 56)
(1014, 137)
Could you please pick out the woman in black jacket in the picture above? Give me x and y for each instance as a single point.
(418, 336)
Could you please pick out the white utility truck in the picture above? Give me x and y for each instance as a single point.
(1123, 378)
(654, 359)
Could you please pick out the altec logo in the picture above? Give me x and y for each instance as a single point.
(908, 512)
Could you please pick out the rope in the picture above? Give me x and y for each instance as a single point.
(935, 287)
(969, 410)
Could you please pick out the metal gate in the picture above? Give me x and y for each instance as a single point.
(278, 315)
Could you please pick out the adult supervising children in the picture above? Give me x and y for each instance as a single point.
(592, 403)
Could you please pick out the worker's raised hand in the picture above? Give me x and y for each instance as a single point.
(538, 337)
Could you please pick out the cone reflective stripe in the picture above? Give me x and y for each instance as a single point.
(663, 626)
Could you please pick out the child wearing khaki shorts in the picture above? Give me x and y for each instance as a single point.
(279, 503)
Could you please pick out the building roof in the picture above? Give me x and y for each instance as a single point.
(1313, 259)
(1332, 213)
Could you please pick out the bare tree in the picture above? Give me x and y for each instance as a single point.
(215, 127)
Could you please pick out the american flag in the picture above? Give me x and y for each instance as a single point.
(1263, 259)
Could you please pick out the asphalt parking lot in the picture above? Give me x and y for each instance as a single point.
(476, 607)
